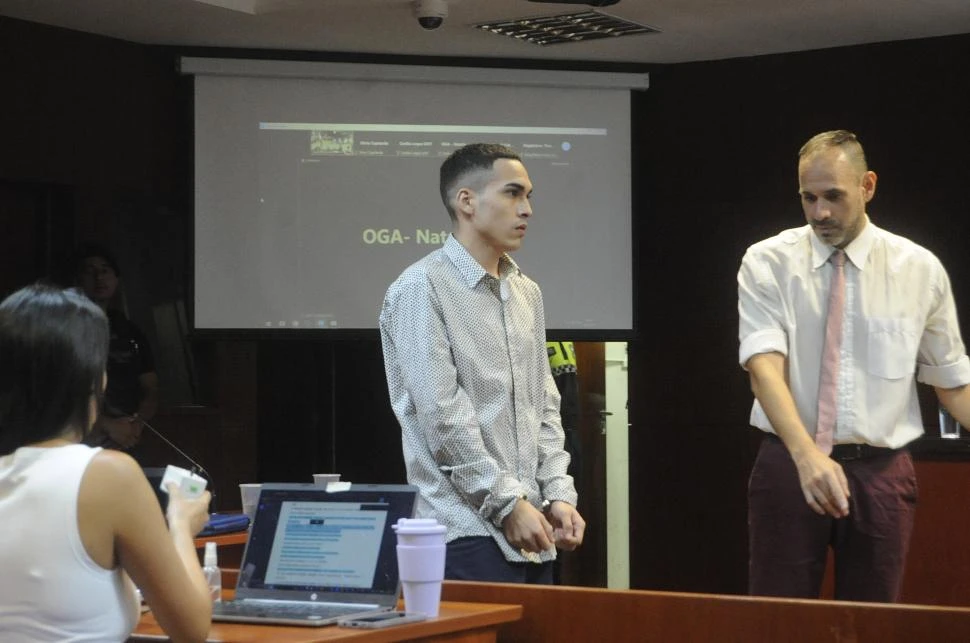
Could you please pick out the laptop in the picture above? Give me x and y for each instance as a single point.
(316, 556)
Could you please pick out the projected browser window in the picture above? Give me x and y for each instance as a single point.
(312, 195)
(345, 207)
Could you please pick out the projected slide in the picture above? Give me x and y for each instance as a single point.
(313, 196)
(326, 544)
(313, 223)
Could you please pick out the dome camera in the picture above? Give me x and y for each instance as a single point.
(431, 14)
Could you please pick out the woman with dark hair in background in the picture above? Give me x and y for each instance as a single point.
(78, 521)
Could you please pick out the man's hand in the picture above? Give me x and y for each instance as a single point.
(823, 482)
(526, 528)
(125, 431)
(568, 525)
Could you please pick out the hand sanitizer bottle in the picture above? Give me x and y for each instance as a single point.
(213, 575)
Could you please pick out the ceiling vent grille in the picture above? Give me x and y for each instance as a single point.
(568, 27)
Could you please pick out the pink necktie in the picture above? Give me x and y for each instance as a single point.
(827, 393)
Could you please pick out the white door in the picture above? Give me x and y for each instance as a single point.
(617, 468)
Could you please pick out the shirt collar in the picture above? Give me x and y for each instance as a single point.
(857, 251)
(471, 271)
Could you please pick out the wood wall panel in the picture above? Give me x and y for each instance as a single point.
(938, 568)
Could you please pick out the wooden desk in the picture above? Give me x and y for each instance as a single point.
(457, 623)
(589, 614)
(234, 539)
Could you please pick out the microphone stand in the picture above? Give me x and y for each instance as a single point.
(196, 467)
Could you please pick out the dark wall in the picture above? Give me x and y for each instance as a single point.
(714, 170)
(93, 113)
(96, 136)
(716, 145)
(324, 408)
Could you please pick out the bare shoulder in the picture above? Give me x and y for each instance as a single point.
(115, 482)
(112, 492)
(115, 467)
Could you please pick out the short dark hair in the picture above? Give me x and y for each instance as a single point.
(87, 250)
(474, 157)
(53, 353)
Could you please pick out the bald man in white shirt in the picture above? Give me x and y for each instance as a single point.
(898, 324)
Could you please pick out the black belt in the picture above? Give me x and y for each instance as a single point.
(849, 452)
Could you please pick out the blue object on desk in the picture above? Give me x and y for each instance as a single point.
(224, 524)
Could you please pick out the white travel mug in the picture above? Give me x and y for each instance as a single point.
(421, 563)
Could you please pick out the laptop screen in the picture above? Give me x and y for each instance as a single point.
(336, 545)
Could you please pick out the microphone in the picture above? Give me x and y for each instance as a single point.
(196, 467)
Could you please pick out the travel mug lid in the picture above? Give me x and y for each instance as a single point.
(418, 526)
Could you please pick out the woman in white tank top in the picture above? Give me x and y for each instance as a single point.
(80, 523)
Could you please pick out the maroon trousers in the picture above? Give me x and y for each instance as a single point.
(789, 542)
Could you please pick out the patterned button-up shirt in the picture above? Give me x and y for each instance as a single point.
(469, 381)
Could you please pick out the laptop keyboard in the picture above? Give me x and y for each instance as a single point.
(283, 609)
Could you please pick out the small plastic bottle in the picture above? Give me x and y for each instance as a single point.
(213, 575)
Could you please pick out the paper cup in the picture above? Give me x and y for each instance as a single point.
(249, 492)
(325, 478)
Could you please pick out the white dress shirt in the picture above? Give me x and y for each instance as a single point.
(899, 321)
(469, 381)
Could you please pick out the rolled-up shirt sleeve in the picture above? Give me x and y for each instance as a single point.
(760, 328)
(942, 359)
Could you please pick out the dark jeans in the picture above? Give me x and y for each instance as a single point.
(479, 558)
(789, 542)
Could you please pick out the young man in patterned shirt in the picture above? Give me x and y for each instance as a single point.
(463, 334)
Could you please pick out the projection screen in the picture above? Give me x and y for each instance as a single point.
(316, 184)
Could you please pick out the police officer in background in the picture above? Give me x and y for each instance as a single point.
(562, 362)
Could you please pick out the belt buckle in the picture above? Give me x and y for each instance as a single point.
(850, 452)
